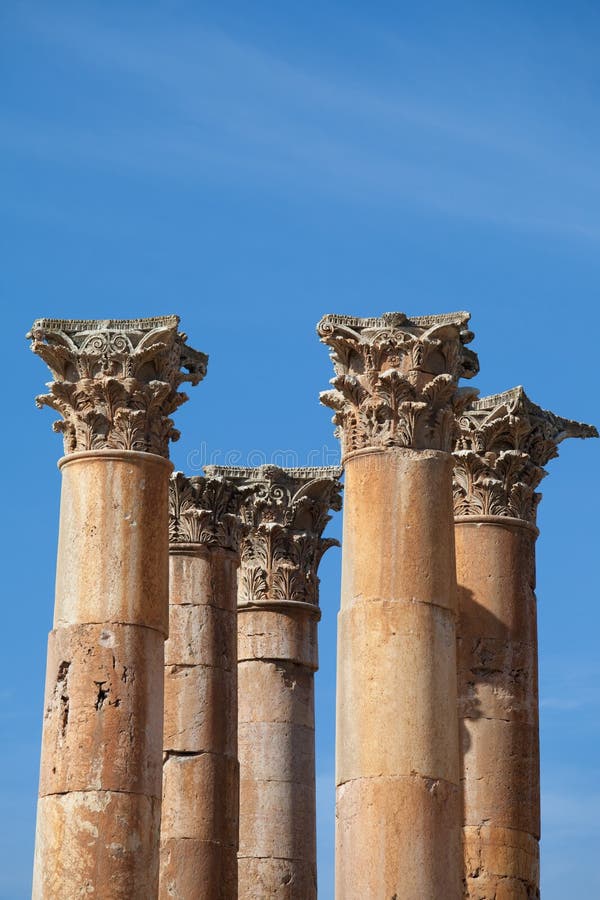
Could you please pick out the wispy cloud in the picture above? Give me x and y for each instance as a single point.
(194, 103)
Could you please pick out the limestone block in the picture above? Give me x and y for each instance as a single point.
(96, 843)
(200, 798)
(493, 853)
(275, 692)
(277, 818)
(277, 879)
(195, 698)
(497, 679)
(397, 837)
(102, 724)
(501, 780)
(112, 511)
(278, 751)
(396, 682)
(203, 576)
(197, 870)
(496, 579)
(201, 635)
(277, 634)
(398, 528)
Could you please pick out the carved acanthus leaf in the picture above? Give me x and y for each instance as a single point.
(502, 444)
(204, 511)
(115, 381)
(285, 512)
(396, 378)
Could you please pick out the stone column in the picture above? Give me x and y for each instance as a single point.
(503, 443)
(285, 512)
(397, 766)
(115, 385)
(199, 830)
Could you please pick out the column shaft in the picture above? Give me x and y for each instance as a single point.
(503, 441)
(277, 658)
(100, 784)
(199, 831)
(498, 707)
(398, 795)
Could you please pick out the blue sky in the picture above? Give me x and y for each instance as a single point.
(251, 167)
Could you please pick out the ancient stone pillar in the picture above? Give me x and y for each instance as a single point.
(199, 830)
(503, 443)
(397, 764)
(115, 385)
(285, 511)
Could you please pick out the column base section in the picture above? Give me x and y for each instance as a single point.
(502, 863)
(277, 879)
(100, 843)
(398, 837)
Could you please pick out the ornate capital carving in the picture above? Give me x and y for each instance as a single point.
(503, 443)
(396, 379)
(204, 511)
(285, 512)
(115, 381)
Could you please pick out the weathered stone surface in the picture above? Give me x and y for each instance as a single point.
(398, 528)
(198, 704)
(96, 843)
(278, 819)
(272, 633)
(276, 692)
(501, 774)
(115, 380)
(201, 636)
(278, 879)
(497, 594)
(395, 678)
(501, 863)
(113, 548)
(202, 576)
(403, 835)
(200, 799)
(287, 750)
(102, 725)
(202, 870)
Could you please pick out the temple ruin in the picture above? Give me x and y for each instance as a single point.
(178, 745)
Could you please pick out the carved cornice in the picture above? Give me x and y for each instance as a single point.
(204, 511)
(115, 381)
(285, 512)
(396, 379)
(503, 443)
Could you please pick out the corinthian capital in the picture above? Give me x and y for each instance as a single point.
(115, 381)
(396, 378)
(204, 511)
(285, 512)
(503, 443)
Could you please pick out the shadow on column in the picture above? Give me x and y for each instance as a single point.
(499, 742)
